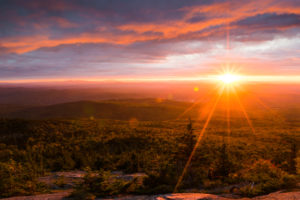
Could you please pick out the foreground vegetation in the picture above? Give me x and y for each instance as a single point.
(255, 164)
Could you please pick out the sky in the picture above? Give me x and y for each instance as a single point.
(135, 39)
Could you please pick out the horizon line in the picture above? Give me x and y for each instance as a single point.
(204, 78)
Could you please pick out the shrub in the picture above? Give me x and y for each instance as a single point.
(263, 177)
(160, 182)
(60, 182)
(102, 184)
(16, 179)
(298, 165)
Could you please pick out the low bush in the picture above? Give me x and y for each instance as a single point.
(263, 177)
(102, 184)
(16, 180)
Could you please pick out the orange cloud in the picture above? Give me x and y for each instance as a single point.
(25, 44)
(217, 17)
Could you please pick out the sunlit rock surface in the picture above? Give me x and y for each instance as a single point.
(199, 196)
(180, 196)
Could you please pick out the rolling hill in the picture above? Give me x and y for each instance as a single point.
(140, 109)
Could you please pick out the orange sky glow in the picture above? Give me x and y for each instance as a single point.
(207, 78)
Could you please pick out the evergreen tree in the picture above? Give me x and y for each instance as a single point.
(293, 157)
(224, 167)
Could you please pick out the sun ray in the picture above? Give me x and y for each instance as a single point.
(198, 101)
(227, 39)
(264, 105)
(190, 108)
(228, 113)
(199, 139)
(244, 111)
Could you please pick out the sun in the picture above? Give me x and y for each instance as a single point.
(229, 78)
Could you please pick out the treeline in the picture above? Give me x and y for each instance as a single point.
(256, 165)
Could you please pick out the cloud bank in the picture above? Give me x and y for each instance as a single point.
(116, 38)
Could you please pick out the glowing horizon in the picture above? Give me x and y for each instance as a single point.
(205, 78)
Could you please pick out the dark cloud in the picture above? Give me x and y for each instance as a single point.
(270, 20)
(3, 50)
(197, 18)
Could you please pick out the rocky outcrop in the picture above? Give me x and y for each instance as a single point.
(201, 196)
(179, 196)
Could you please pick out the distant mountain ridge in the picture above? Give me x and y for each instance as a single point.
(140, 109)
